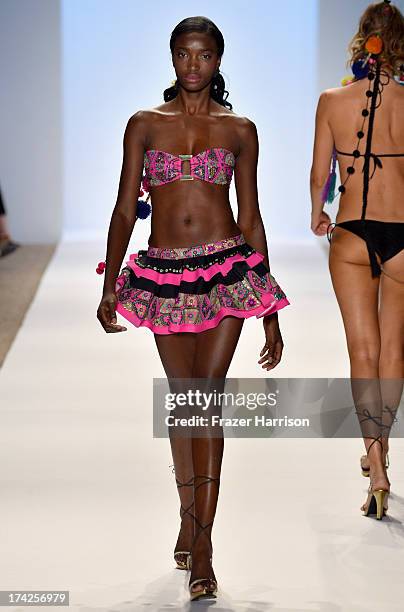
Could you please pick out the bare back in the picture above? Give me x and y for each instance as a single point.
(386, 188)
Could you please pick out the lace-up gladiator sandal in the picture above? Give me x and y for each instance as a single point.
(209, 584)
(181, 556)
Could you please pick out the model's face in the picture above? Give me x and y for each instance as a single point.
(195, 60)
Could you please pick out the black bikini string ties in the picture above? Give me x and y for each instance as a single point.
(373, 232)
(367, 237)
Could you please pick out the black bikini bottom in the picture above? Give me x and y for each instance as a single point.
(386, 238)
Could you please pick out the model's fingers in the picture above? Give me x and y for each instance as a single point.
(114, 328)
(273, 364)
(110, 329)
(268, 359)
(111, 312)
(107, 317)
(277, 354)
(265, 356)
(278, 351)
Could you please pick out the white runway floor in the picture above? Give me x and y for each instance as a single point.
(88, 500)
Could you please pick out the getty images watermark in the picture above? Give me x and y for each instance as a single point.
(277, 407)
(207, 405)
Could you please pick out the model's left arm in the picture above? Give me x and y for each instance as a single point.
(250, 222)
(249, 216)
(322, 154)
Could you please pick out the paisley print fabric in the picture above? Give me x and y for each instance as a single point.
(214, 165)
(190, 289)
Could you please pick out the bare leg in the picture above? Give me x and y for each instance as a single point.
(357, 295)
(177, 353)
(391, 321)
(215, 350)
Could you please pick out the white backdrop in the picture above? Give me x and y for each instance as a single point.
(117, 60)
(71, 83)
(31, 164)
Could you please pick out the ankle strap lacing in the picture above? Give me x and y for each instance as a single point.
(200, 525)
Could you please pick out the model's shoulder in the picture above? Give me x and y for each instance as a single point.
(142, 117)
(327, 95)
(242, 124)
(328, 98)
(140, 123)
(335, 93)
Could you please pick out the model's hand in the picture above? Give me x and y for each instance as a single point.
(106, 313)
(272, 350)
(319, 223)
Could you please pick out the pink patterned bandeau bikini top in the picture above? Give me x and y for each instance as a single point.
(214, 165)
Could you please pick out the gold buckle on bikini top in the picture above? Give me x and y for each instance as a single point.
(185, 177)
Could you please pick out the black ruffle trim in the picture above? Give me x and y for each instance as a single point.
(199, 286)
(162, 264)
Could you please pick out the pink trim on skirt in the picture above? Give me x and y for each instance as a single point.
(189, 305)
(225, 312)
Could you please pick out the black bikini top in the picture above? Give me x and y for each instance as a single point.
(374, 99)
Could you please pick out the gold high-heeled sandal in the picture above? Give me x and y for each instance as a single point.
(376, 502)
(209, 585)
(181, 556)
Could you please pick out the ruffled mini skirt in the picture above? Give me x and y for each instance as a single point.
(190, 289)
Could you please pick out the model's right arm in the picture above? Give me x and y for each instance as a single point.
(124, 213)
(322, 154)
(123, 216)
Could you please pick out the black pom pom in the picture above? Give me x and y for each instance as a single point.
(341, 189)
(143, 209)
(371, 76)
(365, 112)
(350, 170)
(360, 134)
(357, 153)
(369, 93)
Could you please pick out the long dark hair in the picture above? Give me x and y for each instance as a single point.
(205, 26)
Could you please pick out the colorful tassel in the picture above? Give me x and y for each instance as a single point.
(328, 194)
(143, 209)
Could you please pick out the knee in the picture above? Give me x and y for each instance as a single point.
(364, 353)
(209, 379)
(392, 356)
